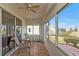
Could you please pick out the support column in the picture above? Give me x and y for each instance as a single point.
(15, 29)
(48, 30)
(44, 32)
(0, 31)
(56, 30)
(15, 26)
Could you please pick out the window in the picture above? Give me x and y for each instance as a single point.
(19, 29)
(68, 22)
(36, 30)
(52, 29)
(8, 30)
(46, 31)
(33, 30)
(29, 30)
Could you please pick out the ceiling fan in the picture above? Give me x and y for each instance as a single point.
(30, 7)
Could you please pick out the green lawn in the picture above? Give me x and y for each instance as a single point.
(62, 35)
(60, 39)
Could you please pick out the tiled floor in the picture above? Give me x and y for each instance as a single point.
(37, 49)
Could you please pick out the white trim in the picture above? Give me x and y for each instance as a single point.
(0, 32)
(15, 26)
(15, 29)
(11, 52)
(56, 30)
(44, 32)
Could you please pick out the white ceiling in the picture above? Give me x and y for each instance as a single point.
(40, 12)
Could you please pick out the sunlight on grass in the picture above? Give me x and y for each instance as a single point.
(52, 39)
(63, 36)
(60, 40)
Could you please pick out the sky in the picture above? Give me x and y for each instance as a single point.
(68, 17)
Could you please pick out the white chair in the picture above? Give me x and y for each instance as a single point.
(20, 45)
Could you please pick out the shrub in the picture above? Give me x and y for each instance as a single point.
(72, 39)
(66, 39)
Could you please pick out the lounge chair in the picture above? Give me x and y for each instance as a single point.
(23, 44)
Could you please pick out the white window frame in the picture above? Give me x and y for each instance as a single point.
(33, 30)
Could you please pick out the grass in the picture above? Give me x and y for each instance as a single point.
(61, 37)
(52, 39)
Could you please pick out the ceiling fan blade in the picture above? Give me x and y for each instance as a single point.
(21, 8)
(27, 7)
(32, 10)
(26, 3)
(35, 6)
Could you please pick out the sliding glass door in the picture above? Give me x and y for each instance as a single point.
(8, 30)
(52, 30)
(68, 36)
(47, 30)
(19, 29)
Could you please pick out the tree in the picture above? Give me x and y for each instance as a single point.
(70, 29)
(63, 30)
(75, 29)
